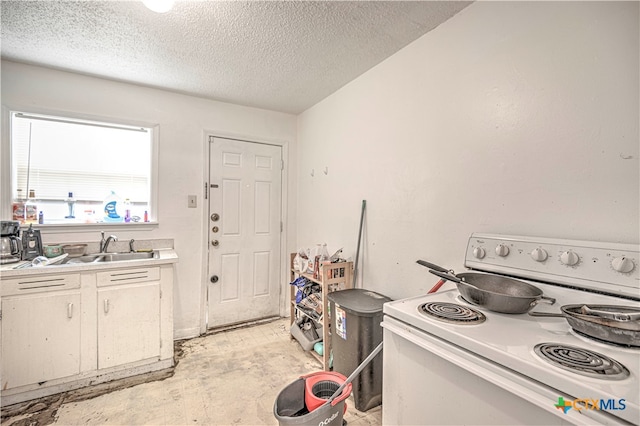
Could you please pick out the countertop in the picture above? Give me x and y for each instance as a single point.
(8, 271)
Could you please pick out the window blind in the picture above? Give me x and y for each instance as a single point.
(59, 155)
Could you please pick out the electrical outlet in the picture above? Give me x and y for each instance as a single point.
(192, 201)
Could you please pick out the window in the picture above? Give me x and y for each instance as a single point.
(72, 168)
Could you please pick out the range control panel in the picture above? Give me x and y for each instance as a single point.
(610, 267)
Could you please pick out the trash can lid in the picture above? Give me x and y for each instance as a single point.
(359, 300)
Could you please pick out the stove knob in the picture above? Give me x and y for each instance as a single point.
(502, 250)
(569, 258)
(478, 252)
(623, 264)
(539, 254)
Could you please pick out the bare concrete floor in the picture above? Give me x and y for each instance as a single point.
(227, 378)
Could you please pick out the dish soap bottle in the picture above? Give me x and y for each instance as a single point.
(111, 208)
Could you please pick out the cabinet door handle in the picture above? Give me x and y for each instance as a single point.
(69, 310)
(106, 306)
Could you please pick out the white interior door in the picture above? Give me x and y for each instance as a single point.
(244, 231)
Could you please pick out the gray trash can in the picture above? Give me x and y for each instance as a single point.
(355, 332)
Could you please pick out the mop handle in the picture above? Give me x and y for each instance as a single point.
(355, 269)
(356, 371)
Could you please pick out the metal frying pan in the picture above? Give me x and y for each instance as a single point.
(623, 331)
(496, 293)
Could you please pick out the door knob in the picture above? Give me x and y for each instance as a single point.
(215, 217)
(214, 279)
(215, 243)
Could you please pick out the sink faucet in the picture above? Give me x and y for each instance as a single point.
(104, 244)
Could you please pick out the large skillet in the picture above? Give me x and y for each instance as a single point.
(493, 292)
(611, 323)
(496, 293)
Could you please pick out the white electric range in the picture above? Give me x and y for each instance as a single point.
(494, 368)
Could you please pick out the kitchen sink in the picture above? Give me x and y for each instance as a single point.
(112, 257)
(116, 257)
(92, 258)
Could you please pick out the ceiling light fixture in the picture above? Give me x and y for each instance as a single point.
(160, 6)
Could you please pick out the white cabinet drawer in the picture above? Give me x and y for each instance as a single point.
(128, 276)
(35, 284)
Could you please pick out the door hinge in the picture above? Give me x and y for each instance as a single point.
(206, 191)
(281, 226)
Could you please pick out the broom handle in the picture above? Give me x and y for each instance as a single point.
(356, 372)
(355, 270)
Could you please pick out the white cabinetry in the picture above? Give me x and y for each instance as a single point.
(41, 330)
(65, 331)
(128, 316)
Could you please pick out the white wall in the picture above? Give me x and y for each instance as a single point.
(183, 122)
(512, 117)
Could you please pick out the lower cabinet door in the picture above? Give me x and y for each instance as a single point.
(128, 323)
(40, 338)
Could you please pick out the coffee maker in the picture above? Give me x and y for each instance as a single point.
(31, 243)
(11, 246)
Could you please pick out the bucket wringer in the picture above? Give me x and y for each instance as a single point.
(317, 398)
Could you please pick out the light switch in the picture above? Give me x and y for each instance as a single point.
(192, 201)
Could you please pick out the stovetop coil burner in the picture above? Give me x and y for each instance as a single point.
(452, 313)
(582, 361)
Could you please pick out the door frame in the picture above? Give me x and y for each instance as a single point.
(208, 135)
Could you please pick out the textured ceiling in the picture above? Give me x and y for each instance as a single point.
(278, 55)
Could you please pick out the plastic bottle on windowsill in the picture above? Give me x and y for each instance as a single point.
(89, 216)
(18, 208)
(127, 210)
(112, 206)
(31, 209)
(71, 202)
